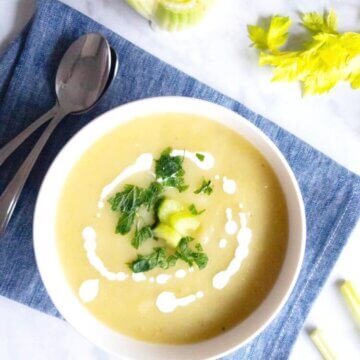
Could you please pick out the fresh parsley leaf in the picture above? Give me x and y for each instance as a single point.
(172, 259)
(127, 200)
(205, 188)
(157, 258)
(199, 247)
(176, 182)
(169, 170)
(125, 223)
(194, 211)
(151, 195)
(141, 235)
(201, 157)
(190, 256)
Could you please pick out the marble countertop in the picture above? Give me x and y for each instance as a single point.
(217, 53)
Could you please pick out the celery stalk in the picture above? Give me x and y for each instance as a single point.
(318, 338)
(143, 7)
(172, 15)
(352, 298)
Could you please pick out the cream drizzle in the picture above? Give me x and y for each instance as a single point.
(206, 164)
(243, 237)
(138, 277)
(88, 290)
(167, 302)
(142, 163)
(89, 236)
(231, 225)
(163, 279)
(229, 185)
(181, 273)
(222, 243)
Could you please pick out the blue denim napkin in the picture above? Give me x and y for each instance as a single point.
(27, 71)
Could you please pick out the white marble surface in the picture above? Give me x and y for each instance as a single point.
(217, 53)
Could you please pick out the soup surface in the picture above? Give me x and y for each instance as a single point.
(243, 231)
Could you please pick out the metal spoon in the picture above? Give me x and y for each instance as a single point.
(13, 144)
(80, 80)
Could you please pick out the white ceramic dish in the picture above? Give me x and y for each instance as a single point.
(49, 263)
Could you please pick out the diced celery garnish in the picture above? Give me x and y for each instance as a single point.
(352, 298)
(184, 222)
(317, 337)
(172, 15)
(167, 233)
(143, 7)
(167, 208)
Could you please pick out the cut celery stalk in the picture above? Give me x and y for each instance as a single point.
(317, 337)
(143, 7)
(167, 208)
(167, 233)
(184, 222)
(352, 298)
(172, 15)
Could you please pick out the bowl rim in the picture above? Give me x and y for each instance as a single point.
(180, 105)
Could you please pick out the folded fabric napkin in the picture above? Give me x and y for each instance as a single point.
(27, 71)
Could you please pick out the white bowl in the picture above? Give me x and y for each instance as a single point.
(49, 263)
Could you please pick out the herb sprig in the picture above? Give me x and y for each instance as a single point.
(206, 188)
(169, 170)
(194, 211)
(201, 157)
(129, 202)
(158, 257)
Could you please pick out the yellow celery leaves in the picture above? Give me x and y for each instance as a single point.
(272, 39)
(317, 23)
(320, 64)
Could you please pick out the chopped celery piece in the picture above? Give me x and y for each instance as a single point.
(184, 222)
(172, 15)
(167, 208)
(143, 7)
(352, 298)
(323, 347)
(167, 233)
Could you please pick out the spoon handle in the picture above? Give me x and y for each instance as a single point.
(13, 190)
(13, 144)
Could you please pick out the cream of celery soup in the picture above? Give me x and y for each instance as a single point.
(172, 229)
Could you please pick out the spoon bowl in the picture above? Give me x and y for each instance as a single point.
(83, 73)
(13, 144)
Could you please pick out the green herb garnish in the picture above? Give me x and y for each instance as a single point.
(169, 170)
(141, 235)
(134, 203)
(157, 258)
(130, 200)
(190, 256)
(194, 211)
(201, 157)
(205, 188)
(125, 223)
